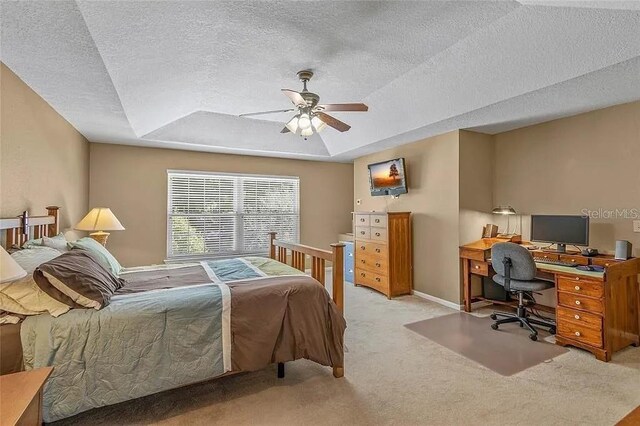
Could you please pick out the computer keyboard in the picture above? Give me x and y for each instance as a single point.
(554, 262)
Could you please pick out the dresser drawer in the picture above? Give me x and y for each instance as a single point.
(362, 220)
(379, 234)
(371, 279)
(363, 232)
(372, 262)
(585, 319)
(371, 248)
(580, 286)
(580, 333)
(378, 220)
(575, 301)
(479, 268)
(569, 258)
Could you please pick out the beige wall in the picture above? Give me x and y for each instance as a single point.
(132, 181)
(589, 161)
(43, 159)
(432, 170)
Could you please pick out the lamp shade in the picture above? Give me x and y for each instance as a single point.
(504, 210)
(100, 219)
(9, 268)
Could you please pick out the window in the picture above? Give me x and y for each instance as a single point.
(217, 214)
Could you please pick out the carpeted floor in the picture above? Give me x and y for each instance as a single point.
(395, 376)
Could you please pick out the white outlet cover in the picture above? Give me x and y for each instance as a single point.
(636, 226)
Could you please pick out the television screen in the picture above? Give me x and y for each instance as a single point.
(388, 178)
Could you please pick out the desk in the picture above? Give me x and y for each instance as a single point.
(597, 311)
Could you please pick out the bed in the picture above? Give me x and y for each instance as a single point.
(177, 324)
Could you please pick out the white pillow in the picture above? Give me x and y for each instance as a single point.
(59, 242)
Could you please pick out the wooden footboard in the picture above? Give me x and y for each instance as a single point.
(296, 255)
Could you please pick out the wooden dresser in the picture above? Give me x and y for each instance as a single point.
(383, 252)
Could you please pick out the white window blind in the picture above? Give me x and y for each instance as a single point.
(227, 214)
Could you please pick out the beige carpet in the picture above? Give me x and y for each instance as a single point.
(395, 376)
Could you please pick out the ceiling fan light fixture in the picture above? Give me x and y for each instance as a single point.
(307, 132)
(318, 124)
(292, 125)
(304, 122)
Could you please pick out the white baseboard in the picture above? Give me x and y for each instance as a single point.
(447, 303)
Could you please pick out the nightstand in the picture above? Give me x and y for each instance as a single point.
(21, 397)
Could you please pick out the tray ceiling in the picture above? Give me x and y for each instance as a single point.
(177, 74)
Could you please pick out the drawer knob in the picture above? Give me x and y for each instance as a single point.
(577, 278)
(377, 250)
(362, 220)
(378, 279)
(362, 260)
(577, 288)
(577, 302)
(377, 220)
(362, 274)
(477, 266)
(377, 234)
(576, 316)
(578, 333)
(378, 265)
(362, 232)
(362, 247)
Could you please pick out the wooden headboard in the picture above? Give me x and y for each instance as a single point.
(19, 229)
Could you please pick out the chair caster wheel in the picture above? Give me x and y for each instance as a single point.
(533, 337)
(493, 317)
(552, 330)
(494, 326)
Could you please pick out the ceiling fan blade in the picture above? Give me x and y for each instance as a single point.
(295, 97)
(333, 122)
(342, 107)
(285, 130)
(266, 112)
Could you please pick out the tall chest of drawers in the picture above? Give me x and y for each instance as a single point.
(383, 252)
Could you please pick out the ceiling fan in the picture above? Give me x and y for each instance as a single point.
(310, 115)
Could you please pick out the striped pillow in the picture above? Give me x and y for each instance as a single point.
(78, 279)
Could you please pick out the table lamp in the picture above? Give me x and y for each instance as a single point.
(9, 268)
(99, 220)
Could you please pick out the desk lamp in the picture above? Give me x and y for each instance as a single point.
(100, 219)
(506, 211)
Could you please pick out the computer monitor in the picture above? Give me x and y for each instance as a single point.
(560, 230)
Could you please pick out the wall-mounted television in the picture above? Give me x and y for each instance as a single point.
(388, 178)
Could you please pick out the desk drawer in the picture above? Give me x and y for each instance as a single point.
(580, 333)
(378, 220)
(606, 262)
(575, 301)
(362, 220)
(371, 279)
(479, 268)
(580, 286)
(569, 258)
(546, 256)
(585, 319)
(373, 262)
(379, 234)
(377, 249)
(363, 232)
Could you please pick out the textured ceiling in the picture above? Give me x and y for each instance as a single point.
(177, 74)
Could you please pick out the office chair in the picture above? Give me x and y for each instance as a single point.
(516, 272)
